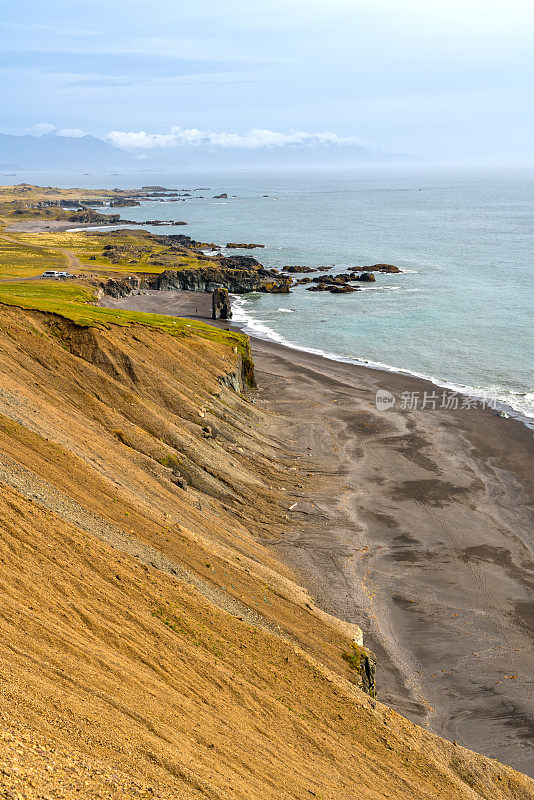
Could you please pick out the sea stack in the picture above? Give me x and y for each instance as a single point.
(220, 304)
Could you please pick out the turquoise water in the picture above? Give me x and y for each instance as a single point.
(461, 312)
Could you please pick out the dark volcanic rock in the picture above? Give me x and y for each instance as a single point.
(363, 664)
(123, 202)
(88, 215)
(269, 273)
(162, 222)
(379, 268)
(206, 279)
(242, 246)
(238, 274)
(239, 262)
(343, 289)
(366, 277)
(220, 304)
(298, 269)
(274, 287)
(70, 203)
(335, 280)
(336, 287)
(384, 268)
(121, 287)
(185, 241)
(222, 196)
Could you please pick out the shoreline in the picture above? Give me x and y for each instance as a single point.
(58, 226)
(247, 325)
(251, 327)
(418, 529)
(190, 308)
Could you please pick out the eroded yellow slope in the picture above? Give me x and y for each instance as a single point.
(150, 644)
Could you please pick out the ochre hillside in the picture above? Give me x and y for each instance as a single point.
(151, 646)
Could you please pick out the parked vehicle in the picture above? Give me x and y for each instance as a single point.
(52, 273)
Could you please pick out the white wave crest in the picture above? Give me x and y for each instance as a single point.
(518, 405)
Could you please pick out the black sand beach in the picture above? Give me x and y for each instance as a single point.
(419, 529)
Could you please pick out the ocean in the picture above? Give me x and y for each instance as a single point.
(460, 313)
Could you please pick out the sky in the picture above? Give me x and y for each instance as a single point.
(444, 81)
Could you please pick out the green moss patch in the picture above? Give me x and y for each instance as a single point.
(77, 303)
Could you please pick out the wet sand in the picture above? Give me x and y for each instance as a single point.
(419, 528)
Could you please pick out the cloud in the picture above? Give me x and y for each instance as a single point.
(71, 133)
(42, 129)
(252, 140)
(47, 129)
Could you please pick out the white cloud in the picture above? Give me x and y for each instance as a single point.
(42, 129)
(47, 129)
(253, 139)
(71, 133)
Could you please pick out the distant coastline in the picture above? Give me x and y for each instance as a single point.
(456, 349)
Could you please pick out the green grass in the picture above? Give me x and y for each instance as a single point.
(20, 259)
(134, 246)
(76, 303)
(30, 193)
(23, 255)
(45, 295)
(27, 254)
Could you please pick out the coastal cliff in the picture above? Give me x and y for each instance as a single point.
(202, 279)
(206, 279)
(152, 642)
(138, 486)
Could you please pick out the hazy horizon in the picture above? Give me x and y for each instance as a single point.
(446, 83)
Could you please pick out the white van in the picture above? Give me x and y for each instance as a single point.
(50, 273)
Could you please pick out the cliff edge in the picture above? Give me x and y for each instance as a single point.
(151, 644)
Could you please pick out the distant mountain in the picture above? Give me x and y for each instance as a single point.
(289, 155)
(54, 153)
